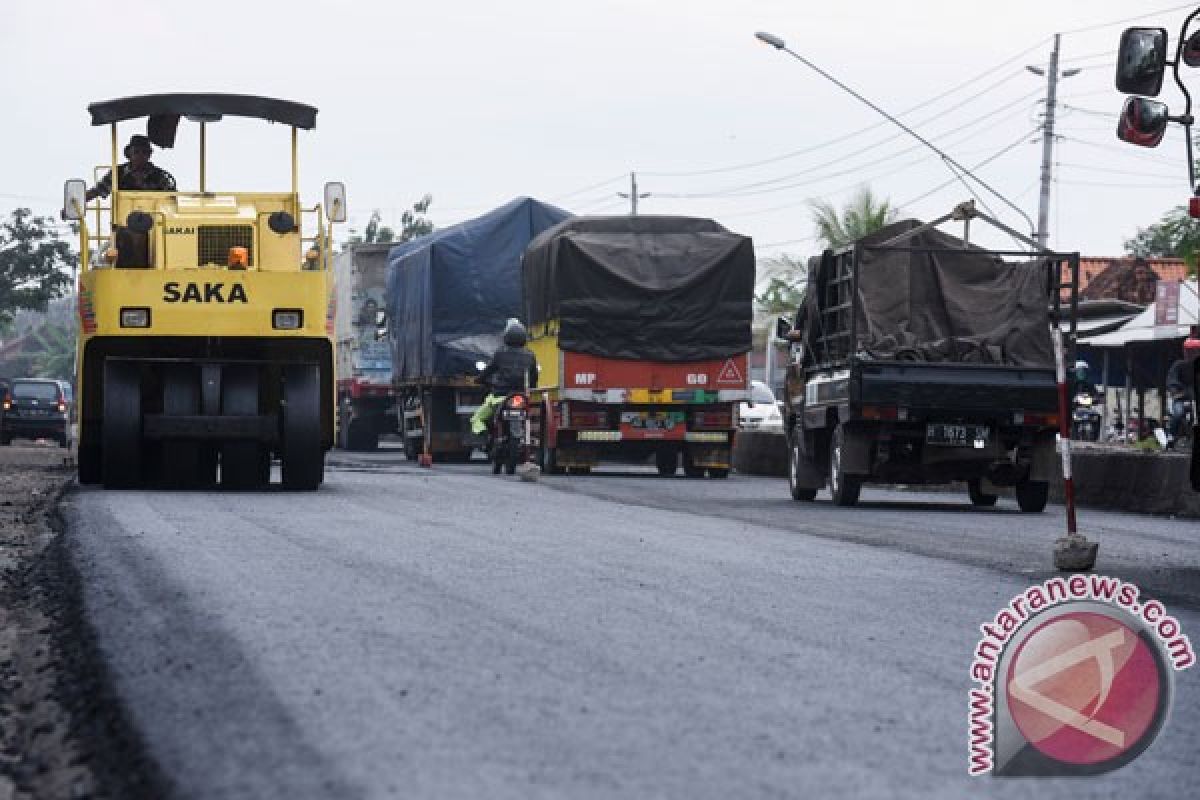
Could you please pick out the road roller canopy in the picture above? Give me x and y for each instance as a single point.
(204, 107)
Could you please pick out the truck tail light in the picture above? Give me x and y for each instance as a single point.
(62, 407)
(712, 419)
(517, 401)
(883, 413)
(1036, 419)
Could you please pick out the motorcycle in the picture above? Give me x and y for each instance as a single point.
(1085, 419)
(507, 442)
(1185, 410)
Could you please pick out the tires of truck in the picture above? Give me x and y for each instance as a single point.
(1032, 496)
(301, 456)
(180, 460)
(718, 472)
(5, 440)
(667, 462)
(121, 452)
(241, 461)
(412, 448)
(89, 464)
(799, 493)
(690, 470)
(978, 496)
(842, 487)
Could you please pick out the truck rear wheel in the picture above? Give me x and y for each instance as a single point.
(844, 488)
(303, 460)
(667, 462)
(121, 453)
(242, 461)
(799, 493)
(89, 464)
(978, 496)
(1032, 495)
(690, 469)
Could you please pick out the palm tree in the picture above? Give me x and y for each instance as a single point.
(864, 214)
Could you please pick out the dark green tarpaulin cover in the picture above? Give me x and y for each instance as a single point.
(645, 288)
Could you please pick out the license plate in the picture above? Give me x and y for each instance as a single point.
(957, 435)
(648, 421)
(514, 415)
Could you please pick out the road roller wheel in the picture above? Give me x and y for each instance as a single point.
(121, 451)
(301, 455)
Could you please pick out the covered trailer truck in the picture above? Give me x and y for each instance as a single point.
(448, 297)
(920, 358)
(366, 398)
(641, 327)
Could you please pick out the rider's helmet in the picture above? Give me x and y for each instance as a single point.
(514, 333)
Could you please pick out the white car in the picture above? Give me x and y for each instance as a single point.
(762, 413)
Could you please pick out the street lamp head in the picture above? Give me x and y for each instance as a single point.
(771, 39)
(1071, 73)
(1036, 70)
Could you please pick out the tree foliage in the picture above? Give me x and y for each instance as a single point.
(376, 231)
(33, 262)
(414, 223)
(785, 290)
(55, 356)
(864, 214)
(1176, 235)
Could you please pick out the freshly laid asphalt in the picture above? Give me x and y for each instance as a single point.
(445, 633)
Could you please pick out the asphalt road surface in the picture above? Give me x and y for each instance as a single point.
(446, 633)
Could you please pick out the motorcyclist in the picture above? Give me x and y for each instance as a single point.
(1179, 393)
(1080, 382)
(513, 369)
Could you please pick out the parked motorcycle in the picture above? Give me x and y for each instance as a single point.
(1182, 407)
(1085, 419)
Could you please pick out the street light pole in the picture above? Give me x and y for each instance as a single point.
(958, 169)
(632, 194)
(1052, 76)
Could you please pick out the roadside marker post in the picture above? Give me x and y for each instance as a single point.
(1073, 552)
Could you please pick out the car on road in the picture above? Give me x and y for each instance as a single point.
(762, 412)
(37, 408)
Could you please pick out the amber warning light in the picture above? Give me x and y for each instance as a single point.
(239, 257)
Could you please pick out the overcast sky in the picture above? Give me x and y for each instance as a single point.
(478, 102)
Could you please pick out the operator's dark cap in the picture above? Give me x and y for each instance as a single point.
(138, 140)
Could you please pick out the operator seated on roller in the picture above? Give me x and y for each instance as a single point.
(135, 175)
(513, 369)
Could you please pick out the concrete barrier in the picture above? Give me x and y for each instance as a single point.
(1108, 478)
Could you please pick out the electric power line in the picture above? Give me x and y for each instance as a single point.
(1117, 22)
(813, 148)
(1006, 149)
(754, 188)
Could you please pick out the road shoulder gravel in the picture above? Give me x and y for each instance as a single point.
(62, 733)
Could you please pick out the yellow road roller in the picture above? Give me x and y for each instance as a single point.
(206, 317)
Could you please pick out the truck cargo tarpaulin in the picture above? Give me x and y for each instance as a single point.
(449, 293)
(643, 288)
(933, 298)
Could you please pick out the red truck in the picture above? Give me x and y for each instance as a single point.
(641, 326)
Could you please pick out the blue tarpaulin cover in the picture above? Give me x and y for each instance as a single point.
(450, 292)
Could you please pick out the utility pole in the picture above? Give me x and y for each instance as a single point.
(632, 194)
(1052, 75)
